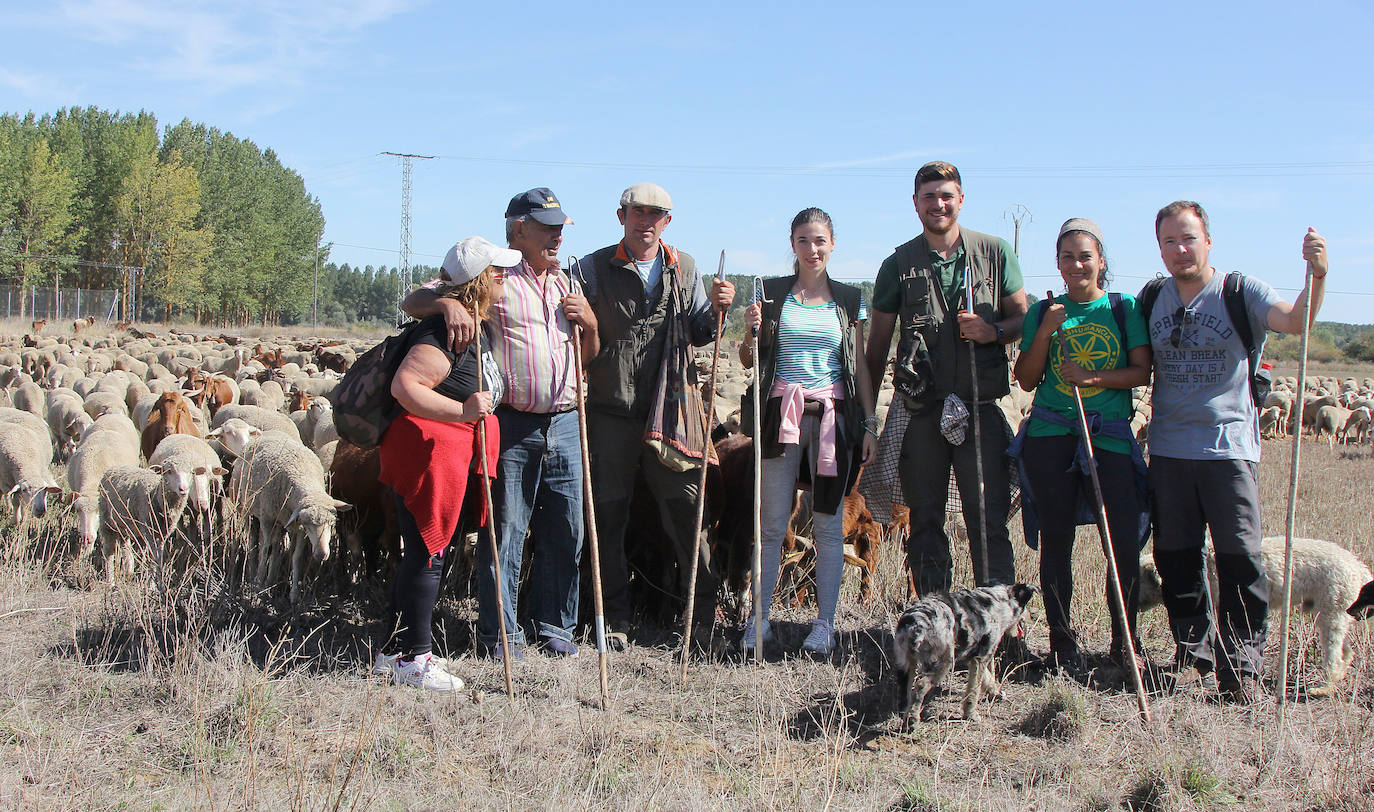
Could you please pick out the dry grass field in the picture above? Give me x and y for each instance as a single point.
(120, 697)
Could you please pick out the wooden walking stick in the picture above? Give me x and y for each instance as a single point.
(491, 514)
(701, 484)
(1118, 601)
(602, 659)
(977, 429)
(758, 488)
(1293, 499)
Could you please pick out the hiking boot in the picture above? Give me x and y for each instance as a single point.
(1244, 690)
(747, 641)
(1187, 678)
(1070, 664)
(820, 642)
(1012, 653)
(616, 641)
(423, 672)
(557, 647)
(517, 653)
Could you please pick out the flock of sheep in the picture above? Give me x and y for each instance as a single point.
(1339, 410)
(175, 443)
(156, 431)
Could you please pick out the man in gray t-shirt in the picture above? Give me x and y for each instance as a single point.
(1204, 448)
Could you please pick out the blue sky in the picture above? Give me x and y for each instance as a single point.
(748, 113)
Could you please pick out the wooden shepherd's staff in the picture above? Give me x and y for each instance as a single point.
(603, 664)
(491, 514)
(1293, 498)
(707, 410)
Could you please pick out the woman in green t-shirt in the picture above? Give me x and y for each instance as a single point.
(1077, 340)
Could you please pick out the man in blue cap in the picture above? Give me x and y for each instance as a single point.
(539, 478)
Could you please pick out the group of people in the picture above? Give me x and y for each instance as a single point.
(494, 367)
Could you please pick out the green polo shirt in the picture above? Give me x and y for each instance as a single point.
(887, 289)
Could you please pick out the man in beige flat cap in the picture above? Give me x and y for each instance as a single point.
(651, 307)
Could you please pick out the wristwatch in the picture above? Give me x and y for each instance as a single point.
(1001, 334)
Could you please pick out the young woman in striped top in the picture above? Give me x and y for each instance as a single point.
(818, 423)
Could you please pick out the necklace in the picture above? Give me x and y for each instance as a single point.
(802, 294)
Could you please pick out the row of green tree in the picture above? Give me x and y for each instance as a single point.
(187, 223)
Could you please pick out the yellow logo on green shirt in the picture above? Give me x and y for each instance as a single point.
(1091, 346)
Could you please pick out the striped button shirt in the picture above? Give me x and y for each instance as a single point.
(532, 341)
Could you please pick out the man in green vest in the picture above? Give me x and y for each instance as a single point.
(652, 303)
(946, 288)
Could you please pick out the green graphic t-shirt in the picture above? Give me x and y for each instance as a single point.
(1091, 340)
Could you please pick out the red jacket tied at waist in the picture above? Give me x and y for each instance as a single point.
(428, 463)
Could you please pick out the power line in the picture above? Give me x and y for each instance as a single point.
(1264, 169)
(383, 250)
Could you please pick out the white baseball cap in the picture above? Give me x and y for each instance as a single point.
(466, 260)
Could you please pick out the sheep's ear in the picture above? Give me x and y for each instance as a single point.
(200, 471)
(342, 507)
(160, 468)
(70, 498)
(218, 471)
(214, 432)
(293, 518)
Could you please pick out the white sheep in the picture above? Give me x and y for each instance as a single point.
(325, 431)
(1326, 581)
(232, 438)
(264, 419)
(279, 484)
(29, 397)
(98, 403)
(25, 462)
(115, 422)
(140, 506)
(67, 421)
(101, 450)
(193, 455)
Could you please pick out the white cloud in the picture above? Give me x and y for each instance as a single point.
(223, 46)
(37, 86)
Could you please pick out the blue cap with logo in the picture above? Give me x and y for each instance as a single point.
(539, 204)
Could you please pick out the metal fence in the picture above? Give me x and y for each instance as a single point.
(60, 304)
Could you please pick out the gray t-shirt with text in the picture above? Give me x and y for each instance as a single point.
(1201, 406)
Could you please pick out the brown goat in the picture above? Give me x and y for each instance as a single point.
(171, 415)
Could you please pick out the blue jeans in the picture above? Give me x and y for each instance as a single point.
(538, 489)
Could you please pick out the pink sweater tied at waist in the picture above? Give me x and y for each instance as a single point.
(794, 399)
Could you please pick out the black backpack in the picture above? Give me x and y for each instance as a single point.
(363, 405)
(1234, 296)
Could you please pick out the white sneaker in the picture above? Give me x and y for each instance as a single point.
(747, 642)
(384, 665)
(820, 641)
(424, 672)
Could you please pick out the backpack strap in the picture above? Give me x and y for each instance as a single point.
(1234, 296)
(1119, 315)
(1148, 295)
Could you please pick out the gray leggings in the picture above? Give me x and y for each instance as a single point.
(779, 493)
